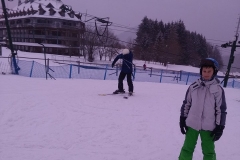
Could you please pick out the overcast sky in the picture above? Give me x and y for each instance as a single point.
(214, 19)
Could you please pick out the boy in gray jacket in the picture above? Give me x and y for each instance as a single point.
(203, 112)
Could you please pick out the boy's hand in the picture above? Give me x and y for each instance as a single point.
(217, 132)
(183, 125)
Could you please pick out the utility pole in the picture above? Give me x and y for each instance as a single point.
(231, 59)
(9, 37)
(43, 49)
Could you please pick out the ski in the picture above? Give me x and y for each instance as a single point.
(105, 94)
(111, 94)
(125, 95)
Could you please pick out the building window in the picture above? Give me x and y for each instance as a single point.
(12, 22)
(67, 23)
(52, 11)
(74, 34)
(62, 13)
(39, 32)
(54, 41)
(41, 11)
(63, 34)
(19, 21)
(27, 21)
(54, 33)
(38, 40)
(41, 21)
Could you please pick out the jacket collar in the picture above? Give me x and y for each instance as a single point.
(208, 83)
(200, 83)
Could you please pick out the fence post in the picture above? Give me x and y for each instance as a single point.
(180, 75)
(177, 77)
(161, 76)
(187, 78)
(117, 70)
(78, 67)
(105, 72)
(134, 73)
(70, 74)
(233, 83)
(47, 66)
(31, 69)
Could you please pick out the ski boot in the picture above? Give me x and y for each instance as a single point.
(130, 93)
(118, 91)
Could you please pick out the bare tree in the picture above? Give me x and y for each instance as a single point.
(102, 40)
(91, 42)
(111, 45)
(101, 52)
(130, 43)
(111, 52)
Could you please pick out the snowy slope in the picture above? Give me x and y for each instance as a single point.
(66, 119)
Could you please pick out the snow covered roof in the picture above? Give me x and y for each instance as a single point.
(44, 9)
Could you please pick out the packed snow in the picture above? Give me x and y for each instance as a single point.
(67, 119)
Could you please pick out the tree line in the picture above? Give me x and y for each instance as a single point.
(172, 43)
(156, 41)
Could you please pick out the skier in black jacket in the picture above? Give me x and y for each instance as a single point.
(127, 57)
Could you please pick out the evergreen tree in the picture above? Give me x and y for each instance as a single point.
(143, 39)
(171, 43)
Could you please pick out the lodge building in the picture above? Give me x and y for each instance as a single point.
(48, 23)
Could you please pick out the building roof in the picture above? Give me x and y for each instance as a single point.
(45, 9)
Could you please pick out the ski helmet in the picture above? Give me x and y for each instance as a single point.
(125, 51)
(209, 62)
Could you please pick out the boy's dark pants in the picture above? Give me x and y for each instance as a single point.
(129, 81)
(208, 147)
